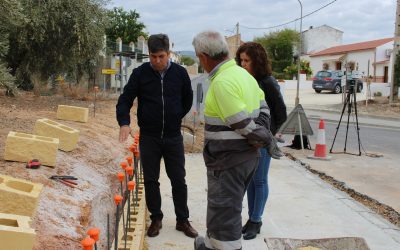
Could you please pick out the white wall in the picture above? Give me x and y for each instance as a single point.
(361, 58)
(381, 51)
(316, 63)
(320, 38)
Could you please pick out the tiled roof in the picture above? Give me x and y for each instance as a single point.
(352, 47)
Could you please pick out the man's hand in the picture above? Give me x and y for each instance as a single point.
(124, 132)
(273, 149)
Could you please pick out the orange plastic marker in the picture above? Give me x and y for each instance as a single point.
(129, 170)
(87, 243)
(123, 165)
(117, 199)
(132, 148)
(94, 233)
(131, 185)
(120, 177)
(129, 160)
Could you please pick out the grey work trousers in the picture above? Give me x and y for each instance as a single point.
(226, 189)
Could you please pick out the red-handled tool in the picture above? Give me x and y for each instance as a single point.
(34, 164)
(67, 180)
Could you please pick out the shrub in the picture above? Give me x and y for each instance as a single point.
(378, 93)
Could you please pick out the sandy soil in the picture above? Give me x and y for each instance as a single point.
(65, 214)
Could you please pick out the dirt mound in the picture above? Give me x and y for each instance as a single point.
(64, 214)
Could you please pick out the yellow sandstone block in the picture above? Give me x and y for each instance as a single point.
(24, 147)
(15, 232)
(18, 196)
(72, 113)
(68, 136)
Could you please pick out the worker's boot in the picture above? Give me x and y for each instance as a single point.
(199, 244)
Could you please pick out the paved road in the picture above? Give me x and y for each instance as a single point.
(373, 139)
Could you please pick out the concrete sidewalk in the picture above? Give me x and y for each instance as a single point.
(300, 206)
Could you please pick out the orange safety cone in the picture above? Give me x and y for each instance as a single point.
(320, 147)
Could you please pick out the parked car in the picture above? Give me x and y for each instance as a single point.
(331, 80)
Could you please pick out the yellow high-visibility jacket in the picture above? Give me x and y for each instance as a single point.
(233, 101)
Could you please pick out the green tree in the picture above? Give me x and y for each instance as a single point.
(187, 60)
(57, 37)
(305, 68)
(125, 25)
(280, 48)
(10, 18)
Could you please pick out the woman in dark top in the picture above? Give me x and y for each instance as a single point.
(252, 57)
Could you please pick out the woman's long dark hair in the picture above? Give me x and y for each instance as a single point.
(260, 63)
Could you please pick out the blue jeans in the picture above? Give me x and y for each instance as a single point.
(257, 191)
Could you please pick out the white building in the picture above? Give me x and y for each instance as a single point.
(320, 38)
(371, 58)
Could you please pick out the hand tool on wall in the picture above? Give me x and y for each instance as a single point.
(33, 164)
(67, 180)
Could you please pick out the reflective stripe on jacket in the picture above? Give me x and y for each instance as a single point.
(233, 101)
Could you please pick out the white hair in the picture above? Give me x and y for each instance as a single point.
(211, 43)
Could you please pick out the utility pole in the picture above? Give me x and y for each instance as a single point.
(297, 100)
(395, 88)
(237, 36)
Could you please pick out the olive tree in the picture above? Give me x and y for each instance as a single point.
(10, 18)
(57, 37)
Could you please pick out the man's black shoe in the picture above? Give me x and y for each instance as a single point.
(154, 228)
(186, 228)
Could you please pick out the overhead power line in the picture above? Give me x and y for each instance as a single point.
(283, 24)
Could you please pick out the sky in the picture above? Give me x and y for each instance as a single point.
(360, 20)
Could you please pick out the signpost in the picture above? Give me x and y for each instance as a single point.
(108, 71)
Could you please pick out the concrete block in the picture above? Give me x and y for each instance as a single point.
(18, 196)
(24, 147)
(68, 136)
(15, 232)
(72, 113)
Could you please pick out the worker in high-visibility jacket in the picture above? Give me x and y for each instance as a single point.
(236, 125)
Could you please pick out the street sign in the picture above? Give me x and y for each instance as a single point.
(108, 71)
(292, 127)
